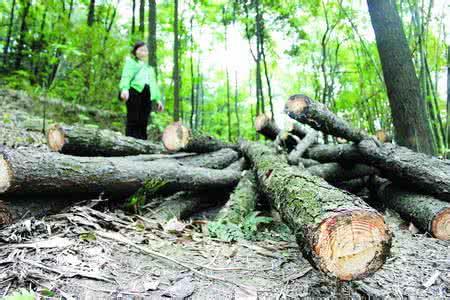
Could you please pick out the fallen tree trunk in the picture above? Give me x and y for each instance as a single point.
(304, 110)
(27, 171)
(182, 205)
(177, 137)
(338, 233)
(333, 172)
(342, 153)
(426, 212)
(215, 160)
(242, 201)
(91, 141)
(414, 171)
(306, 162)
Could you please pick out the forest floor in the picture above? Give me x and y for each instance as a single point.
(93, 251)
(84, 253)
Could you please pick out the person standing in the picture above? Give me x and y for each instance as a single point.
(138, 88)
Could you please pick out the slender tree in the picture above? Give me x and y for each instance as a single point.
(152, 60)
(176, 70)
(8, 35)
(142, 18)
(133, 19)
(22, 33)
(408, 108)
(91, 13)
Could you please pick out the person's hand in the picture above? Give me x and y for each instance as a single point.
(124, 95)
(160, 106)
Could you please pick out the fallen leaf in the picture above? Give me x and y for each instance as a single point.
(174, 226)
(181, 289)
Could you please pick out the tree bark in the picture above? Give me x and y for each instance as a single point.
(177, 137)
(408, 108)
(89, 141)
(426, 212)
(29, 171)
(242, 201)
(133, 18)
(219, 159)
(322, 217)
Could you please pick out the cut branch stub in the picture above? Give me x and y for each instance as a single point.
(336, 231)
(305, 110)
(266, 126)
(177, 137)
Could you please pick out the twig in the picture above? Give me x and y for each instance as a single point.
(120, 238)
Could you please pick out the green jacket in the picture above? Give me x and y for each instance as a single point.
(146, 75)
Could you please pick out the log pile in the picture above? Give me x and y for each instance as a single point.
(312, 186)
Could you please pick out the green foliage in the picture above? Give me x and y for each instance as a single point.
(247, 229)
(88, 236)
(149, 189)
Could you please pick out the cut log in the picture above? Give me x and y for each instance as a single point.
(182, 205)
(177, 137)
(306, 162)
(91, 141)
(333, 172)
(27, 171)
(342, 153)
(426, 212)
(296, 154)
(266, 126)
(242, 201)
(215, 160)
(412, 170)
(353, 186)
(304, 110)
(337, 232)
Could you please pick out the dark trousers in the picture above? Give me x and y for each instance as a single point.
(138, 112)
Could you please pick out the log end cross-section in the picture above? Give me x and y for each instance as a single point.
(351, 244)
(440, 226)
(56, 138)
(5, 175)
(176, 137)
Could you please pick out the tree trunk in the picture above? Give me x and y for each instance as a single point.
(219, 159)
(334, 172)
(414, 171)
(176, 70)
(242, 201)
(322, 217)
(408, 108)
(22, 33)
(448, 101)
(91, 13)
(342, 153)
(176, 137)
(142, 18)
(236, 105)
(152, 44)
(303, 109)
(8, 35)
(30, 171)
(426, 212)
(88, 141)
(133, 19)
(182, 205)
